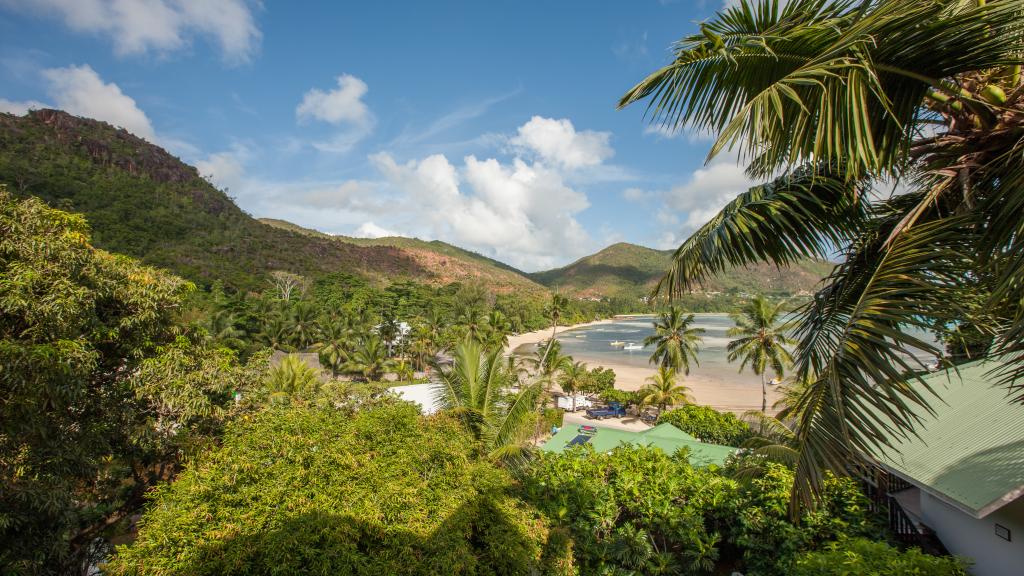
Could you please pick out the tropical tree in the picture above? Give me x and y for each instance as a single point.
(574, 376)
(403, 370)
(473, 389)
(334, 343)
(423, 345)
(830, 100)
(472, 322)
(369, 359)
(292, 378)
(555, 309)
(662, 390)
(275, 333)
(762, 341)
(304, 324)
(498, 329)
(675, 340)
(222, 328)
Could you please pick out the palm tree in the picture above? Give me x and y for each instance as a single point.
(829, 98)
(555, 309)
(291, 378)
(369, 359)
(498, 328)
(762, 341)
(335, 336)
(675, 340)
(472, 321)
(403, 371)
(304, 324)
(422, 345)
(275, 333)
(662, 390)
(574, 376)
(222, 327)
(473, 388)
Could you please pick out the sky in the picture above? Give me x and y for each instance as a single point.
(490, 125)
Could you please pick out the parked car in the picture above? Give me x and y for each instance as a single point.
(613, 410)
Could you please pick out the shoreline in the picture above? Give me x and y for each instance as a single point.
(706, 390)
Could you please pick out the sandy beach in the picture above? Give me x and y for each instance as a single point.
(720, 395)
(538, 335)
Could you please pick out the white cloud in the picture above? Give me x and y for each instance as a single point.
(225, 169)
(371, 230)
(343, 105)
(162, 26)
(79, 90)
(558, 143)
(521, 212)
(636, 194)
(20, 108)
(708, 190)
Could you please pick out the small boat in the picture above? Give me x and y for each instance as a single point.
(632, 346)
(617, 343)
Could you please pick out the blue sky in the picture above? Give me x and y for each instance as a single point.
(491, 125)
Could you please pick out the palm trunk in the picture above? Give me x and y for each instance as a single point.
(764, 395)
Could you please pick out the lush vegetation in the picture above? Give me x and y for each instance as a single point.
(862, 556)
(630, 272)
(308, 490)
(708, 425)
(926, 93)
(641, 511)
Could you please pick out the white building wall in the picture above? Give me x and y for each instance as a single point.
(422, 394)
(976, 540)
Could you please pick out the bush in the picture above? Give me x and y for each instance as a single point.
(298, 490)
(621, 396)
(552, 417)
(862, 556)
(614, 505)
(709, 425)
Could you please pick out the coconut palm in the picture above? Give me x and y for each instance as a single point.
(828, 99)
(473, 388)
(369, 359)
(222, 327)
(555, 309)
(304, 324)
(334, 343)
(291, 378)
(472, 322)
(762, 341)
(662, 390)
(403, 371)
(275, 333)
(423, 345)
(573, 378)
(675, 340)
(498, 328)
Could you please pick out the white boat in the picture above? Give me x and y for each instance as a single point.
(632, 346)
(617, 343)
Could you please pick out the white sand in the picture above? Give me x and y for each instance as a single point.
(538, 335)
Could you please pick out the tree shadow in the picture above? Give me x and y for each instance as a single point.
(478, 538)
(996, 467)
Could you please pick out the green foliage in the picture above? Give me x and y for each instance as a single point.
(624, 397)
(708, 425)
(305, 490)
(291, 378)
(551, 417)
(623, 273)
(597, 380)
(639, 510)
(98, 402)
(862, 556)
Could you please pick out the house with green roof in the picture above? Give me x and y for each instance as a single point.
(664, 436)
(964, 469)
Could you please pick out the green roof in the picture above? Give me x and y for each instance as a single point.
(970, 454)
(664, 436)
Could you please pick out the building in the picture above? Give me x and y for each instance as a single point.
(961, 477)
(664, 436)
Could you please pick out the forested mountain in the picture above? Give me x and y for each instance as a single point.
(630, 270)
(144, 202)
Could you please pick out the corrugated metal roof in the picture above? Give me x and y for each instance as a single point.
(971, 452)
(664, 436)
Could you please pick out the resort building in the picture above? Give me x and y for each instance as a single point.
(961, 478)
(664, 436)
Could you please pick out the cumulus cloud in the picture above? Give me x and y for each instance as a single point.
(225, 169)
(342, 105)
(20, 108)
(162, 26)
(79, 90)
(557, 143)
(708, 190)
(521, 212)
(371, 230)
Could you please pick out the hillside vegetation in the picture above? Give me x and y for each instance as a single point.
(144, 202)
(623, 270)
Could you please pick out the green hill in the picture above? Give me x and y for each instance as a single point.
(146, 203)
(629, 270)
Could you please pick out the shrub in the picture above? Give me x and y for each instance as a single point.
(862, 556)
(552, 417)
(297, 489)
(708, 425)
(621, 396)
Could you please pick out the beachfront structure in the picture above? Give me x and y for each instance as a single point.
(664, 436)
(961, 477)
